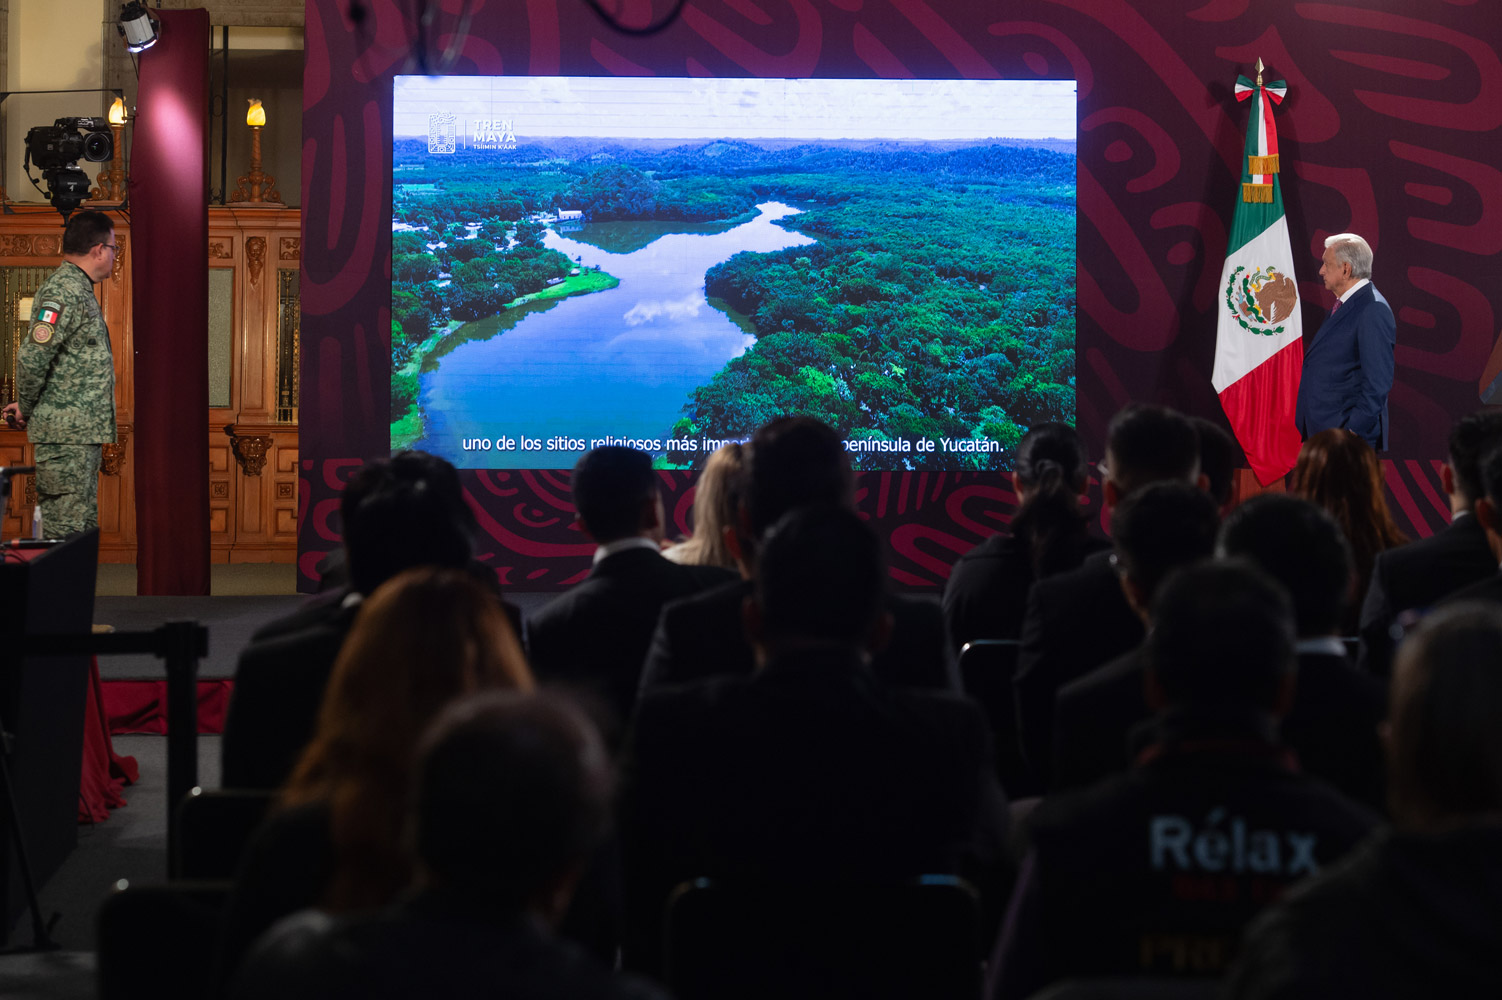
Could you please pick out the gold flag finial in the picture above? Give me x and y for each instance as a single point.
(1259, 71)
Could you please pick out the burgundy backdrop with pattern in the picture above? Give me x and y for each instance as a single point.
(1391, 129)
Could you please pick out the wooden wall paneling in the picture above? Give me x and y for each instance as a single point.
(253, 514)
(222, 482)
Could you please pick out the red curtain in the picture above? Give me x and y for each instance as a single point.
(169, 270)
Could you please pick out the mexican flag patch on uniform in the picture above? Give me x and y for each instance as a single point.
(49, 313)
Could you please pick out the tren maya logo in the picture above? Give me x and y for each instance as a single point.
(441, 133)
(1262, 300)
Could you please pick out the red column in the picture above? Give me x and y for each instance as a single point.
(169, 213)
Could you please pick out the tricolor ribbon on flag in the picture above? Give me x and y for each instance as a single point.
(1259, 348)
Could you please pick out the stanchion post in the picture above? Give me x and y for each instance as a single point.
(182, 644)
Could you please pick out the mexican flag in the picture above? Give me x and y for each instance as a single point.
(1259, 348)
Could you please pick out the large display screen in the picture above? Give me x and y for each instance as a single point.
(669, 263)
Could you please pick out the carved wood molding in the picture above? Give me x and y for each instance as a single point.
(291, 248)
(119, 265)
(31, 246)
(255, 256)
(221, 250)
(112, 456)
(29, 497)
(250, 450)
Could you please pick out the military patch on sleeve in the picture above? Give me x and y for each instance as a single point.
(41, 333)
(49, 312)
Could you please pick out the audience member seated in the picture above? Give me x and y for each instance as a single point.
(334, 585)
(1079, 620)
(791, 462)
(1156, 872)
(1340, 472)
(335, 839)
(1157, 530)
(1336, 711)
(812, 767)
(1489, 513)
(715, 502)
(595, 637)
(398, 513)
(1415, 911)
(1217, 461)
(1419, 574)
(1049, 534)
(512, 796)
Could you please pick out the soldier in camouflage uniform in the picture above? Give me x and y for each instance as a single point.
(66, 379)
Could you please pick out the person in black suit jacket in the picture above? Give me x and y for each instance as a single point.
(398, 513)
(1348, 366)
(1156, 531)
(987, 588)
(1332, 721)
(812, 767)
(595, 636)
(1488, 511)
(495, 886)
(791, 462)
(1416, 575)
(1078, 620)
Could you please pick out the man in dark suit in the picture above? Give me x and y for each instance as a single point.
(1348, 366)
(1079, 620)
(1332, 722)
(1157, 530)
(1420, 573)
(397, 513)
(595, 636)
(1489, 513)
(791, 462)
(1156, 871)
(812, 767)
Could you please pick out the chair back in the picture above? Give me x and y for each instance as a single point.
(986, 669)
(915, 938)
(158, 940)
(213, 828)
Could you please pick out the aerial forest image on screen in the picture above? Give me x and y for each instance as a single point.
(668, 264)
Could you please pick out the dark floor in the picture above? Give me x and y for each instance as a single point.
(131, 845)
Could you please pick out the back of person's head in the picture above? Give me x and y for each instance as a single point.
(821, 578)
(615, 493)
(794, 462)
(85, 231)
(1471, 440)
(1051, 469)
(1222, 637)
(1160, 528)
(423, 638)
(512, 794)
(1150, 444)
(1299, 545)
(1340, 472)
(1444, 745)
(717, 496)
(1217, 459)
(402, 512)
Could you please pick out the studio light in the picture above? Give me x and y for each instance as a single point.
(138, 26)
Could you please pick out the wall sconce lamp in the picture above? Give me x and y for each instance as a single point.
(138, 27)
(255, 187)
(112, 182)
